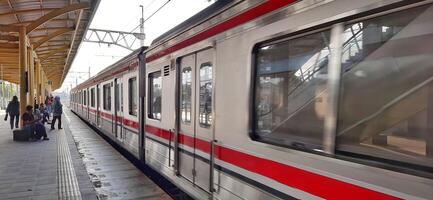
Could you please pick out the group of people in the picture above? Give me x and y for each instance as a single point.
(36, 116)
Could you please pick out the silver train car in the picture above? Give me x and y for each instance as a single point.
(279, 99)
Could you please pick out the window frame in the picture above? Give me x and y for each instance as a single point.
(191, 96)
(150, 96)
(130, 99)
(84, 98)
(92, 97)
(254, 60)
(383, 163)
(202, 125)
(104, 97)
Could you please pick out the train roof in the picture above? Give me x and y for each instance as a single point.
(111, 67)
(209, 12)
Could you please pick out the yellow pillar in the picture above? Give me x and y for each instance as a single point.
(31, 77)
(23, 66)
(38, 81)
(44, 86)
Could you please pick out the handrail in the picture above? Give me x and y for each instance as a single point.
(388, 105)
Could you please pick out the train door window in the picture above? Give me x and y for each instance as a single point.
(186, 95)
(106, 92)
(386, 105)
(155, 95)
(132, 98)
(205, 100)
(291, 90)
(92, 97)
(117, 95)
(85, 97)
(121, 97)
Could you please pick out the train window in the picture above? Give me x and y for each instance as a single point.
(386, 105)
(85, 98)
(205, 99)
(107, 96)
(132, 91)
(92, 97)
(290, 91)
(155, 95)
(186, 93)
(117, 96)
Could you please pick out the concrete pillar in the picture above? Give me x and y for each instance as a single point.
(23, 66)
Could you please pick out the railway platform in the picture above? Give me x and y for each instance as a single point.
(76, 163)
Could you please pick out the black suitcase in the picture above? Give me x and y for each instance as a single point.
(21, 135)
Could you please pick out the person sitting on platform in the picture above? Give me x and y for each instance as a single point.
(33, 126)
(37, 113)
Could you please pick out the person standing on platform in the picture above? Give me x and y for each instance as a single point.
(57, 113)
(48, 104)
(44, 112)
(13, 110)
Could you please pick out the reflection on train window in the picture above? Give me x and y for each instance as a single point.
(386, 107)
(185, 101)
(205, 99)
(291, 90)
(85, 97)
(107, 97)
(132, 91)
(92, 97)
(155, 95)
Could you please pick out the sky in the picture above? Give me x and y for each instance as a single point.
(124, 15)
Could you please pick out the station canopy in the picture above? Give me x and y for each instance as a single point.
(54, 30)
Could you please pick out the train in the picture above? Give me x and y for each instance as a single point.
(279, 99)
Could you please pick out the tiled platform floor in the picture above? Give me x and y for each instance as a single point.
(29, 170)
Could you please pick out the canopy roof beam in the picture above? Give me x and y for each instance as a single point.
(51, 36)
(55, 13)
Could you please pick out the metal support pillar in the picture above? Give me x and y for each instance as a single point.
(142, 26)
(23, 66)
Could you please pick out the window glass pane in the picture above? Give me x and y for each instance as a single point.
(117, 96)
(291, 91)
(85, 98)
(92, 97)
(132, 91)
(107, 97)
(386, 105)
(155, 95)
(185, 101)
(205, 99)
(121, 97)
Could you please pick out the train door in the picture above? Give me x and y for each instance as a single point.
(195, 96)
(118, 109)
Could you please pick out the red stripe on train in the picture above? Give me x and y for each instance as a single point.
(309, 182)
(126, 122)
(315, 184)
(260, 10)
